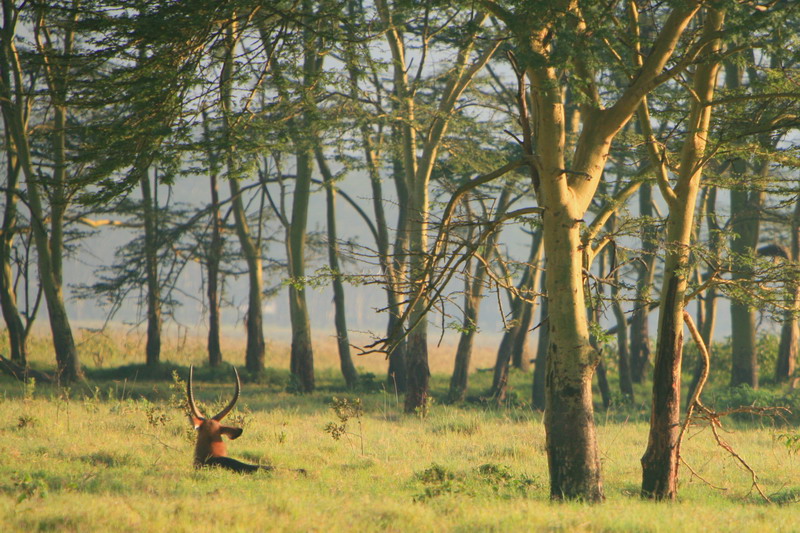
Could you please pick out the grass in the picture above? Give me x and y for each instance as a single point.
(115, 455)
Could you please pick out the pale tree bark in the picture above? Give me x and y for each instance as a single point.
(251, 247)
(565, 193)
(14, 102)
(661, 459)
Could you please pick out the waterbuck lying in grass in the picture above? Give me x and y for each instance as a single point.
(210, 449)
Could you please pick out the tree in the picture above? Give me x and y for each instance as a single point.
(542, 34)
(250, 245)
(419, 155)
(214, 251)
(17, 334)
(660, 460)
(14, 103)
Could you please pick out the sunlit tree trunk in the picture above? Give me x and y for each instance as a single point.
(418, 160)
(660, 460)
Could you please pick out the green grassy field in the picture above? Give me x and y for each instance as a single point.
(115, 454)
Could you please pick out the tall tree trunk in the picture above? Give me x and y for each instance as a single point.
(745, 214)
(17, 336)
(417, 370)
(149, 214)
(14, 103)
(417, 168)
(302, 357)
(460, 378)
(397, 375)
(573, 459)
(661, 458)
(391, 264)
(624, 365)
(512, 338)
(251, 247)
(539, 368)
(340, 318)
(213, 255)
(640, 329)
(565, 191)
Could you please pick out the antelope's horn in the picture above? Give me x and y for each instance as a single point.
(228, 407)
(193, 410)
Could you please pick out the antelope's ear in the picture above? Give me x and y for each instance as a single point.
(195, 421)
(232, 433)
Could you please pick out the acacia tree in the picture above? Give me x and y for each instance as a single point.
(542, 35)
(660, 460)
(250, 244)
(420, 144)
(49, 243)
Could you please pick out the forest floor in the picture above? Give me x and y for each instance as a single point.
(115, 454)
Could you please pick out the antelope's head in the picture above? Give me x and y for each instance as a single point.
(209, 430)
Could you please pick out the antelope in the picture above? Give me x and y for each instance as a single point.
(210, 449)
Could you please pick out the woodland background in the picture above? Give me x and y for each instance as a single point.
(577, 173)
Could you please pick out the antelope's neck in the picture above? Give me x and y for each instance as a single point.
(205, 450)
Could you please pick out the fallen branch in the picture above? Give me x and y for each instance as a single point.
(22, 373)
